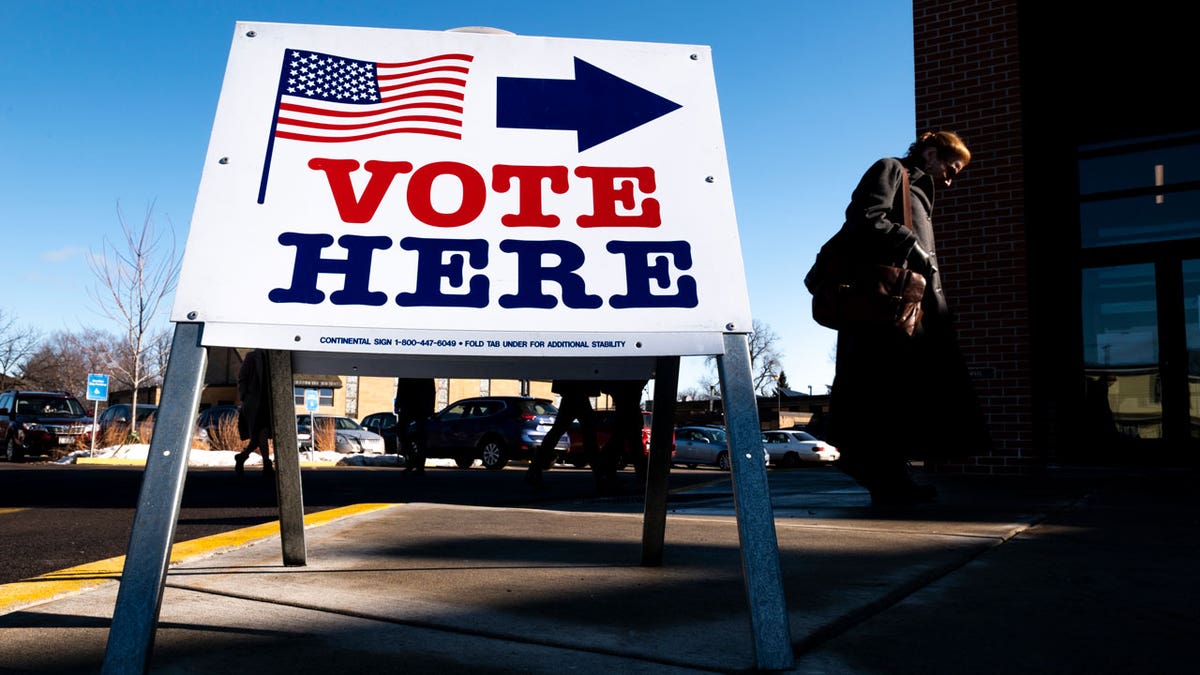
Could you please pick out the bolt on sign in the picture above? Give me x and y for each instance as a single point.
(460, 193)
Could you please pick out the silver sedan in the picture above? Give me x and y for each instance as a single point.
(349, 437)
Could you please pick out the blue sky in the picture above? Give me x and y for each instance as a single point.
(108, 102)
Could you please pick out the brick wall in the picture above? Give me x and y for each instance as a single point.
(968, 81)
(376, 394)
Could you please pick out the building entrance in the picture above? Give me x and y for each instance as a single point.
(1141, 363)
(1140, 299)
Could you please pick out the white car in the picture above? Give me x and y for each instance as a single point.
(349, 437)
(792, 447)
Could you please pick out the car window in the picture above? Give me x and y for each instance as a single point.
(454, 412)
(49, 405)
(486, 408)
(347, 423)
(804, 436)
(542, 408)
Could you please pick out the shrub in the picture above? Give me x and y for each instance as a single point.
(324, 438)
(225, 436)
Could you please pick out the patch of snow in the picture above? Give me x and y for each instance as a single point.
(200, 458)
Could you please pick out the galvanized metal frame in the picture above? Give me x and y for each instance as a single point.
(143, 580)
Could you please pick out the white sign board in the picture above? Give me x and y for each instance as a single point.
(454, 193)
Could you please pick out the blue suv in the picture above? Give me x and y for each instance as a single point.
(493, 429)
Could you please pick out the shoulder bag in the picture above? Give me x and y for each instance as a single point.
(861, 294)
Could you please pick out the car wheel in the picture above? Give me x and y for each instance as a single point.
(790, 461)
(723, 461)
(493, 454)
(690, 466)
(11, 451)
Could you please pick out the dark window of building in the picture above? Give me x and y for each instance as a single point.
(324, 396)
(1140, 192)
(1120, 349)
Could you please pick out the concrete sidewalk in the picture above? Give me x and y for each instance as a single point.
(1074, 573)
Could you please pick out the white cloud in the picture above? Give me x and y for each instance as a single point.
(63, 254)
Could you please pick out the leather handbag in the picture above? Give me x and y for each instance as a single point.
(855, 294)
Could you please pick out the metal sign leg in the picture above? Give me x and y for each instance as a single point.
(658, 464)
(752, 500)
(145, 573)
(288, 490)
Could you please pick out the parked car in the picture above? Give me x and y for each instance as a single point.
(703, 444)
(113, 423)
(218, 426)
(494, 429)
(793, 447)
(576, 455)
(696, 445)
(384, 424)
(349, 437)
(40, 422)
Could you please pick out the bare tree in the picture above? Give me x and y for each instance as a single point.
(158, 351)
(64, 360)
(765, 360)
(16, 344)
(134, 281)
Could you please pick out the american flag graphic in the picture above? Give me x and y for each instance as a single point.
(324, 98)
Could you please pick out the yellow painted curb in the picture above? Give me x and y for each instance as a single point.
(53, 585)
(110, 461)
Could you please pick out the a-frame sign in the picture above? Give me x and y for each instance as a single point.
(460, 204)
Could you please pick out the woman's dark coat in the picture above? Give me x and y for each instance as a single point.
(910, 397)
(254, 417)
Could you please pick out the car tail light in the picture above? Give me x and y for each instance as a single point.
(528, 417)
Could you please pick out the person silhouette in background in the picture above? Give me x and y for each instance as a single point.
(254, 412)
(626, 437)
(574, 404)
(415, 400)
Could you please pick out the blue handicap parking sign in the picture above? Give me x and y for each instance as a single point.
(97, 387)
(311, 400)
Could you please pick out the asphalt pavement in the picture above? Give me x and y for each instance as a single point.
(1067, 572)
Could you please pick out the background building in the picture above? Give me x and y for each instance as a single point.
(1071, 245)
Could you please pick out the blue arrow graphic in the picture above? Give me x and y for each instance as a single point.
(597, 105)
